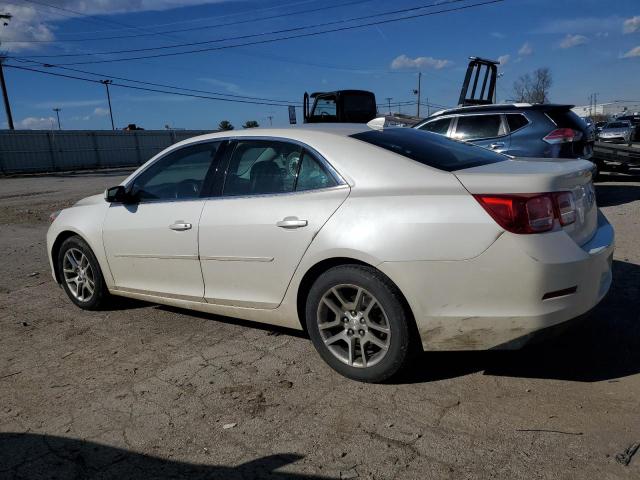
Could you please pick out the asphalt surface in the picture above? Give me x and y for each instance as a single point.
(144, 391)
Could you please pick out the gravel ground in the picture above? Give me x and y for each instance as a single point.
(144, 391)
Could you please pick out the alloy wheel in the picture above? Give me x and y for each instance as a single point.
(354, 326)
(78, 274)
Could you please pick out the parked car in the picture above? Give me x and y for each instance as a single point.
(618, 131)
(520, 130)
(635, 121)
(599, 126)
(377, 242)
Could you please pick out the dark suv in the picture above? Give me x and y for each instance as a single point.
(520, 129)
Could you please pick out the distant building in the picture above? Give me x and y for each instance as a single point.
(611, 109)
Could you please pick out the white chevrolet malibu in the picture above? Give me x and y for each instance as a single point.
(377, 242)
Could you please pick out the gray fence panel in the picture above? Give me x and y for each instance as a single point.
(38, 151)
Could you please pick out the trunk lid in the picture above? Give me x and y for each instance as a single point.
(526, 176)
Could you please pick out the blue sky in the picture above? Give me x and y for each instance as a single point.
(589, 45)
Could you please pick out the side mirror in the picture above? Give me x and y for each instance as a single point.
(116, 194)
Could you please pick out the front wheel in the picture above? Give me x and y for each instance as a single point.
(80, 274)
(359, 325)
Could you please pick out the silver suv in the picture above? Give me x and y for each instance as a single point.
(520, 129)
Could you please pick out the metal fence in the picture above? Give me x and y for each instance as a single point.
(38, 151)
(616, 153)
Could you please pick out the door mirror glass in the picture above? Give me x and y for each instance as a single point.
(116, 194)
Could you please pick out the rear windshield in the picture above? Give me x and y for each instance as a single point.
(617, 125)
(566, 119)
(429, 148)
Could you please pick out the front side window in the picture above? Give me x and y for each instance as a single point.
(178, 176)
(325, 107)
(437, 126)
(473, 127)
(260, 167)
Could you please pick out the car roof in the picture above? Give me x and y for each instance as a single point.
(502, 107)
(294, 132)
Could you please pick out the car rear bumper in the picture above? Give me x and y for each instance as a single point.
(520, 285)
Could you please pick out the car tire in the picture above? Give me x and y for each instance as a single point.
(80, 274)
(359, 324)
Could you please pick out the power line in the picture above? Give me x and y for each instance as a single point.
(87, 17)
(203, 27)
(193, 20)
(272, 40)
(142, 82)
(147, 89)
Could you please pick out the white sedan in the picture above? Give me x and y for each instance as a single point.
(378, 242)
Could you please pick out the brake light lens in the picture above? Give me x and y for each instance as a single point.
(566, 207)
(529, 213)
(561, 135)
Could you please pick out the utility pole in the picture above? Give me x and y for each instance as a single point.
(106, 83)
(418, 92)
(388, 99)
(57, 110)
(5, 17)
(270, 117)
(428, 108)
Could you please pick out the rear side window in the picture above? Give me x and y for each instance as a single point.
(516, 121)
(260, 167)
(437, 126)
(471, 127)
(430, 149)
(358, 107)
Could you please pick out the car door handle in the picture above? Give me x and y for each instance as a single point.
(292, 222)
(495, 146)
(180, 226)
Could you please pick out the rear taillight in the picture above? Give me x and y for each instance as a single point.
(562, 135)
(566, 206)
(529, 213)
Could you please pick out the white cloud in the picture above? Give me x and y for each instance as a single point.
(504, 59)
(631, 25)
(584, 25)
(571, 41)
(403, 62)
(100, 112)
(228, 86)
(69, 103)
(498, 35)
(525, 50)
(32, 24)
(634, 52)
(38, 123)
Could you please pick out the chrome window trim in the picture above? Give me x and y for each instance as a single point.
(341, 182)
(279, 194)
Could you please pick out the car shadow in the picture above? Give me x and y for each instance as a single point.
(604, 347)
(26, 455)
(612, 195)
(272, 329)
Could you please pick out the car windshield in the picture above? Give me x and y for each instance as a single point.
(617, 125)
(429, 148)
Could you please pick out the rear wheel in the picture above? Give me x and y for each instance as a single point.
(358, 323)
(80, 274)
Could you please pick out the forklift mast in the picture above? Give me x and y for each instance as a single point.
(485, 95)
